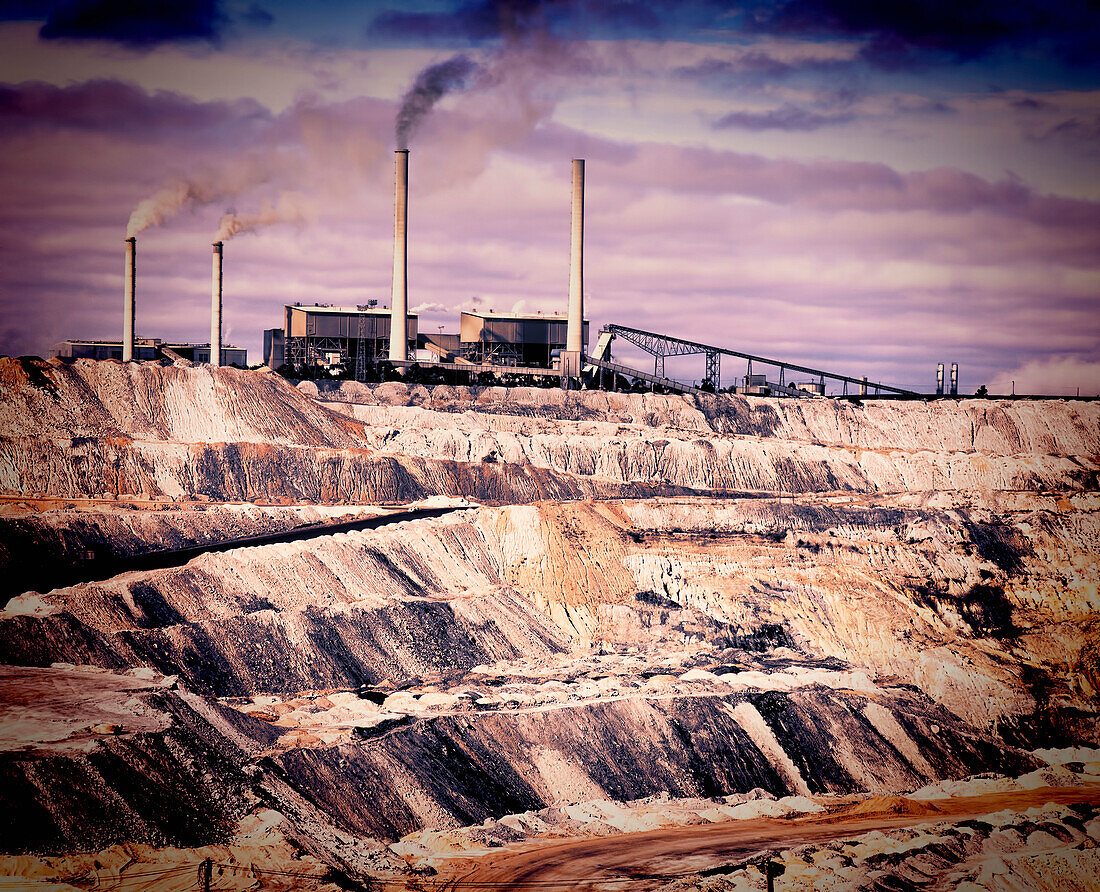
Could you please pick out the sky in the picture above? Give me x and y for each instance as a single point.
(862, 187)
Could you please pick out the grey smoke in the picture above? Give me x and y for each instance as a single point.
(431, 85)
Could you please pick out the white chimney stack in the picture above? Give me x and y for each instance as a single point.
(574, 334)
(399, 335)
(129, 299)
(216, 308)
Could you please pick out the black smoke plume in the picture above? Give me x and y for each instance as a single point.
(431, 85)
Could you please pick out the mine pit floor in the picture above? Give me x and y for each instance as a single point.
(636, 861)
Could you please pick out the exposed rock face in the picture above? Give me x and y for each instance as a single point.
(225, 434)
(89, 429)
(128, 758)
(60, 545)
(732, 444)
(658, 596)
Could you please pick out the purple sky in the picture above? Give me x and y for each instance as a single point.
(830, 182)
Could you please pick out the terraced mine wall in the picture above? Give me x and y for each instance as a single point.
(654, 596)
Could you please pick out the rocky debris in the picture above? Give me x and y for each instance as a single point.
(87, 400)
(998, 427)
(692, 598)
(888, 590)
(594, 818)
(780, 645)
(39, 547)
(257, 853)
(175, 432)
(1047, 849)
(155, 773)
(658, 451)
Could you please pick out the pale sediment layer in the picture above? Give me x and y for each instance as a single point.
(724, 600)
(92, 429)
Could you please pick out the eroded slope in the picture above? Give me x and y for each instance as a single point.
(696, 598)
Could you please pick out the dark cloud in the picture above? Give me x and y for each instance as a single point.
(902, 32)
(109, 106)
(475, 22)
(26, 9)
(485, 20)
(1079, 131)
(752, 68)
(921, 106)
(787, 117)
(135, 23)
(257, 16)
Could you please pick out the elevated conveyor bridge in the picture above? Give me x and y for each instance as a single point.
(592, 365)
(659, 346)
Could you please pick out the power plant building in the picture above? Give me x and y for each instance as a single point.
(147, 349)
(514, 340)
(329, 336)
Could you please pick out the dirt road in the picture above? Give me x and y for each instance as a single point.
(639, 861)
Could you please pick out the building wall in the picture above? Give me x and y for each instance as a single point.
(514, 340)
(322, 322)
(201, 353)
(313, 335)
(274, 348)
(146, 349)
(80, 349)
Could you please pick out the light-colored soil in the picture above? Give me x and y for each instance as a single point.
(643, 861)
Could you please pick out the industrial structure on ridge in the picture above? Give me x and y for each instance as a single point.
(350, 339)
(148, 349)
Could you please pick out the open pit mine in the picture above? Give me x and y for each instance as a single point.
(339, 636)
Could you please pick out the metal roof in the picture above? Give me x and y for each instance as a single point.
(354, 311)
(519, 317)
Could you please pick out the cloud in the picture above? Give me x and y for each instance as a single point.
(115, 107)
(900, 34)
(1055, 375)
(486, 21)
(1080, 131)
(787, 117)
(472, 23)
(852, 185)
(134, 23)
(257, 16)
(849, 265)
(1030, 103)
(754, 68)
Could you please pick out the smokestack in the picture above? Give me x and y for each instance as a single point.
(399, 335)
(574, 333)
(216, 308)
(129, 298)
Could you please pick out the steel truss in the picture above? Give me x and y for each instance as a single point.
(659, 346)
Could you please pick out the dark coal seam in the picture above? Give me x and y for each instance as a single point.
(103, 568)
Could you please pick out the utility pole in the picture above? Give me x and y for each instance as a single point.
(206, 870)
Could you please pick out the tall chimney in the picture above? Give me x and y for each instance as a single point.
(399, 302)
(129, 295)
(574, 333)
(216, 308)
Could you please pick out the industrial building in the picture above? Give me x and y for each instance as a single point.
(344, 336)
(147, 349)
(331, 336)
(511, 339)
